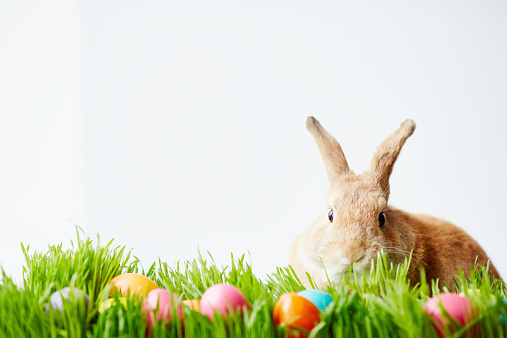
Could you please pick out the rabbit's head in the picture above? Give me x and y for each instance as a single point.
(358, 222)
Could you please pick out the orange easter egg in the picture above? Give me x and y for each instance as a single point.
(132, 283)
(297, 312)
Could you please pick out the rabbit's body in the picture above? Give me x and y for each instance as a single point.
(442, 258)
(359, 223)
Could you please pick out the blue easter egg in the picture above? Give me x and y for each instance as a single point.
(320, 298)
(502, 318)
(56, 299)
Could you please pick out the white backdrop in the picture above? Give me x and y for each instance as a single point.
(172, 126)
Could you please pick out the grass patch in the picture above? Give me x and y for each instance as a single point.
(378, 304)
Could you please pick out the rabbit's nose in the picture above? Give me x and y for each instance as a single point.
(353, 251)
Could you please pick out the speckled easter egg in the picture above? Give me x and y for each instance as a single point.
(158, 304)
(56, 301)
(459, 308)
(132, 283)
(222, 298)
(297, 313)
(320, 298)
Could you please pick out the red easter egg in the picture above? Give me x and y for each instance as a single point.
(459, 308)
(158, 304)
(222, 298)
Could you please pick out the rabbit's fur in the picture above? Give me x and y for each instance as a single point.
(327, 249)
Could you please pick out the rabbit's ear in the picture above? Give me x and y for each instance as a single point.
(381, 165)
(330, 150)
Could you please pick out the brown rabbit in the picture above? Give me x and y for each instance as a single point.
(359, 222)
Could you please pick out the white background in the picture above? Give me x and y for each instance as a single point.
(172, 126)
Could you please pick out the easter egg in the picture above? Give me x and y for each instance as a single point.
(320, 298)
(158, 304)
(111, 302)
(459, 308)
(193, 304)
(296, 312)
(502, 318)
(56, 301)
(132, 283)
(222, 298)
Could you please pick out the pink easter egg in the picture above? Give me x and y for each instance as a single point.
(157, 305)
(222, 298)
(459, 308)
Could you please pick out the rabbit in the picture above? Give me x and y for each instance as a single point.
(359, 223)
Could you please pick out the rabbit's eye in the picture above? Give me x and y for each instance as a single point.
(381, 220)
(330, 215)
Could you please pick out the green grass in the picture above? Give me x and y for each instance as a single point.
(379, 304)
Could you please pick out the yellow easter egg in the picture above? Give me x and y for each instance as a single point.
(111, 302)
(193, 304)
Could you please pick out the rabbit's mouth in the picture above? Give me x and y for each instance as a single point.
(362, 265)
(335, 258)
(335, 271)
(336, 276)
